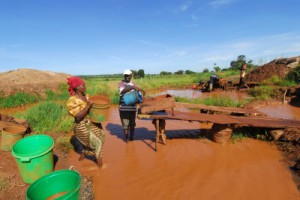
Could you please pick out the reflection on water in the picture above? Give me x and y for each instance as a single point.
(285, 111)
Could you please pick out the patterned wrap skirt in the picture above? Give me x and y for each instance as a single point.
(91, 136)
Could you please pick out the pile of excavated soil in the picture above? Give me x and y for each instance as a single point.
(30, 80)
(277, 67)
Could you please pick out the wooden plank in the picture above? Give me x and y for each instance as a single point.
(265, 122)
(158, 103)
(228, 110)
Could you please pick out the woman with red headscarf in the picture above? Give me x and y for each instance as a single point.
(90, 135)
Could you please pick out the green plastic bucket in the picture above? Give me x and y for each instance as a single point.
(58, 185)
(34, 156)
(10, 135)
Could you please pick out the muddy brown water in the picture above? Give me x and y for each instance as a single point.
(281, 110)
(186, 167)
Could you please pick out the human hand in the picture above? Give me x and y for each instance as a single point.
(136, 88)
(89, 103)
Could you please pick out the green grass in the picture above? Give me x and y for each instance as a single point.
(18, 99)
(276, 81)
(4, 183)
(214, 101)
(64, 144)
(48, 116)
(264, 92)
(62, 93)
(237, 137)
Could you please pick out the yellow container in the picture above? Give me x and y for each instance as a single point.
(99, 111)
(10, 135)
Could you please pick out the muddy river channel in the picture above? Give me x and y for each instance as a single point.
(188, 167)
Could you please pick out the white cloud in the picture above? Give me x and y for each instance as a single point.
(194, 17)
(220, 3)
(184, 7)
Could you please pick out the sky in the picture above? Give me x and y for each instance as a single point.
(92, 37)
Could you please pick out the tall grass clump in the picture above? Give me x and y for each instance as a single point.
(115, 98)
(163, 81)
(18, 99)
(222, 101)
(46, 116)
(4, 184)
(65, 124)
(97, 86)
(237, 137)
(64, 144)
(294, 75)
(61, 94)
(214, 101)
(277, 81)
(264, 92)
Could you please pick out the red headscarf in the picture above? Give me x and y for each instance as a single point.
(74, 82)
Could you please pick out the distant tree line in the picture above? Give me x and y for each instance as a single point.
(234, 65)
(138, 74)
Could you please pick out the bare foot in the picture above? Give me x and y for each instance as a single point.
(131, 137)
(81, 157)
(99, 162)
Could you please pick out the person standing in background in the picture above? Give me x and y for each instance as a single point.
(242, 75)
(213, 81)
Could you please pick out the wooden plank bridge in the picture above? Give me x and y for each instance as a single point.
(224, 116)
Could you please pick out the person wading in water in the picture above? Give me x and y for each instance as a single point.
(127, 112)
(91, 135)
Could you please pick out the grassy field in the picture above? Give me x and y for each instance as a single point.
(49, 112)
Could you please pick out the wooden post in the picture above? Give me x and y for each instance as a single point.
(284, 94)
(157, 133)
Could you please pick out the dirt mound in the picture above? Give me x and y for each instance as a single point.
(30, 80)
(277, 67)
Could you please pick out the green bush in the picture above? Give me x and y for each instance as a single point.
(294, 75)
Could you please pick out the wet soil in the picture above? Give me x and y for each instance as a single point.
(187, 167)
